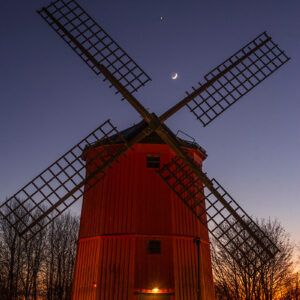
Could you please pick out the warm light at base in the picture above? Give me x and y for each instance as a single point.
(154, 290)
(94, 284)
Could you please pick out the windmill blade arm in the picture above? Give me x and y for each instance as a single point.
(93, 45)
(190, 171)
(55, 189)
(235, 77)
(227, 222)
(232, 79)
(127, 95)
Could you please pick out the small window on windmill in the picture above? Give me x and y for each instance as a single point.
(154, 247)
(153, 161)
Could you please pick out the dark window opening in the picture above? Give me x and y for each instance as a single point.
(154, 246)
(153, 161)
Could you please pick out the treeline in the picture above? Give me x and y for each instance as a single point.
(271, 281)
(43, 267)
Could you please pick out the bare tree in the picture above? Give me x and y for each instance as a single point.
(61, 245)
(277, 272)
(237, 281)
(40, 266)
(32, 259)
(3, 266)
(11, 254)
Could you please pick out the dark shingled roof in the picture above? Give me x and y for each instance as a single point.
(152, 138)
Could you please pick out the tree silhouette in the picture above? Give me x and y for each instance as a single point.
(266, 281)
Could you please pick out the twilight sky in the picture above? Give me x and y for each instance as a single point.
(50, 99)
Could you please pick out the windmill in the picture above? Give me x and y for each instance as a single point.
(92, 165)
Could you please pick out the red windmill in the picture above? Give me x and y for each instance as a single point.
(145, 221)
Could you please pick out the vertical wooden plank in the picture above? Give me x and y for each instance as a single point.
(178, 289)
(120, 294)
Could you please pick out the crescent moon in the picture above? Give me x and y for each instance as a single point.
(174, 76)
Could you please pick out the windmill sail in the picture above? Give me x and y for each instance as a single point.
(64, 182)
(94, 46)
(235, 77)
(55, 189)
(239, 234)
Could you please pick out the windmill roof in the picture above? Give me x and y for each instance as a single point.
(152, 138)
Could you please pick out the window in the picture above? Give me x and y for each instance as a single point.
(154, 247)
(153, 161)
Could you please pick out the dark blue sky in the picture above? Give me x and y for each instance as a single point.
(50, 99)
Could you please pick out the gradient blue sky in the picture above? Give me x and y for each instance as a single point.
(50, 99)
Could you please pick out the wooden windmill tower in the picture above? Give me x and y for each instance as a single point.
(147, 204)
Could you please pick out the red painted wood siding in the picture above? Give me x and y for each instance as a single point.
(131, 205)
(104, 269)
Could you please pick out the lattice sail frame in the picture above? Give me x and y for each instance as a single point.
(97, 48)
(93, 45)
(221, 224)
(239, 74)
(55, 189)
